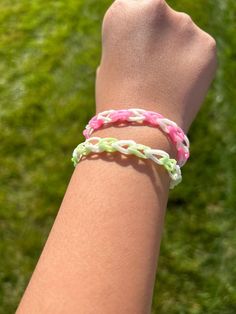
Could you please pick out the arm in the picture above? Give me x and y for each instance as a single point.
(102, 251)
(101, 254)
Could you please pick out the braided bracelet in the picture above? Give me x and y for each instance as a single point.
(112, 144)
(174, 132)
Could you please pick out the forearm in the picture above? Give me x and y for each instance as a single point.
(102, 252)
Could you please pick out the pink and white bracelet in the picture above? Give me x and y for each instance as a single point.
(173, 131)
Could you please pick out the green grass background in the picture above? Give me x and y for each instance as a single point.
(49, 51)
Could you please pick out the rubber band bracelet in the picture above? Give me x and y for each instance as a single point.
(128, 147)
(173, 131)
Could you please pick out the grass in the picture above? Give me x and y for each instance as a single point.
(49, 51)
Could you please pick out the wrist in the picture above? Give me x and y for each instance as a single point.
(143, 134)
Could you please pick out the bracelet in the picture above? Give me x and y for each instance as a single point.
(174, 132)
(111, 145)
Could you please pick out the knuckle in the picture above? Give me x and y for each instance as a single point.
(159, 3)
(186, 18)
(210, 43)
(156, 8)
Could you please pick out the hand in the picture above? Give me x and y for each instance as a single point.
(154, 58)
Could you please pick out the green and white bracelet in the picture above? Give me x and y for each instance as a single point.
(128, 147)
